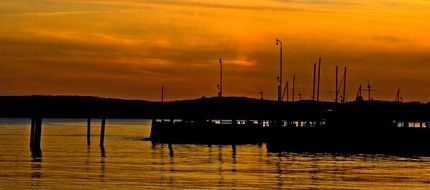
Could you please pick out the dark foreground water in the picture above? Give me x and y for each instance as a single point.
(131, 163)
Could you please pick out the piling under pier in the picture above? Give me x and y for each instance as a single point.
(206, 133)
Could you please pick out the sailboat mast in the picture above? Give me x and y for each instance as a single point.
(344, 86)
(337, 90)
(294, 83)
(319, 74)
(220, 77)
(313, 85)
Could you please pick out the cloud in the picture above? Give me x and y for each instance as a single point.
(131, 48)
(386, 38)
(50, 14)
(322, 2)
(241, 62)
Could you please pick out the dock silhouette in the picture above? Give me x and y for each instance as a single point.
(374, 126)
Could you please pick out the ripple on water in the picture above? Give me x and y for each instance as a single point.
(128, 162)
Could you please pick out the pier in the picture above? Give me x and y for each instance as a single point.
(299, 125)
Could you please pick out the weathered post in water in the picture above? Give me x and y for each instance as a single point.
(36, 132)
(102, 132)
(32, 133)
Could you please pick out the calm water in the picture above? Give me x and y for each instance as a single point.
(131, 163)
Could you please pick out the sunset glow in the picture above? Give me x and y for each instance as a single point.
(130, 48)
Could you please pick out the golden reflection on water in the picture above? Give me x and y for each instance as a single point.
(128, 162)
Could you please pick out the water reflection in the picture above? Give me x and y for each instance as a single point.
(102, 174)
(102, 151)
(210, 153)
(102, 164)
(171, 151)
(36, 156)
(220, 167)
(279, 171)
(233, 166)
(171, 167)
(36, 171)
(314, 171)
(233, 151)
(135, 164)
(153, 145)
(87, 162)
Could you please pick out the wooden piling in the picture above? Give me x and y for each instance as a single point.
(88, 131)
(32, 132)
(36, 132)
(102, 132)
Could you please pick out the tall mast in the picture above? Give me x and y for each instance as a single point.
(285, 91)
(294, 83)
(286, 87)
(319, 74)
(344, 86)
(162, 93)
(313, 84)
(398, 95)
(359, 92)
(337, 90)
(368, 90)
(220, 79)
(278, 42)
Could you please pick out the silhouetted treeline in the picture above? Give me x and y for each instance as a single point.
(204, 108)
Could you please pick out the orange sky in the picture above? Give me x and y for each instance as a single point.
(129, 48)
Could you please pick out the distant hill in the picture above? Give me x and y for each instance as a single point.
(202, 108)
